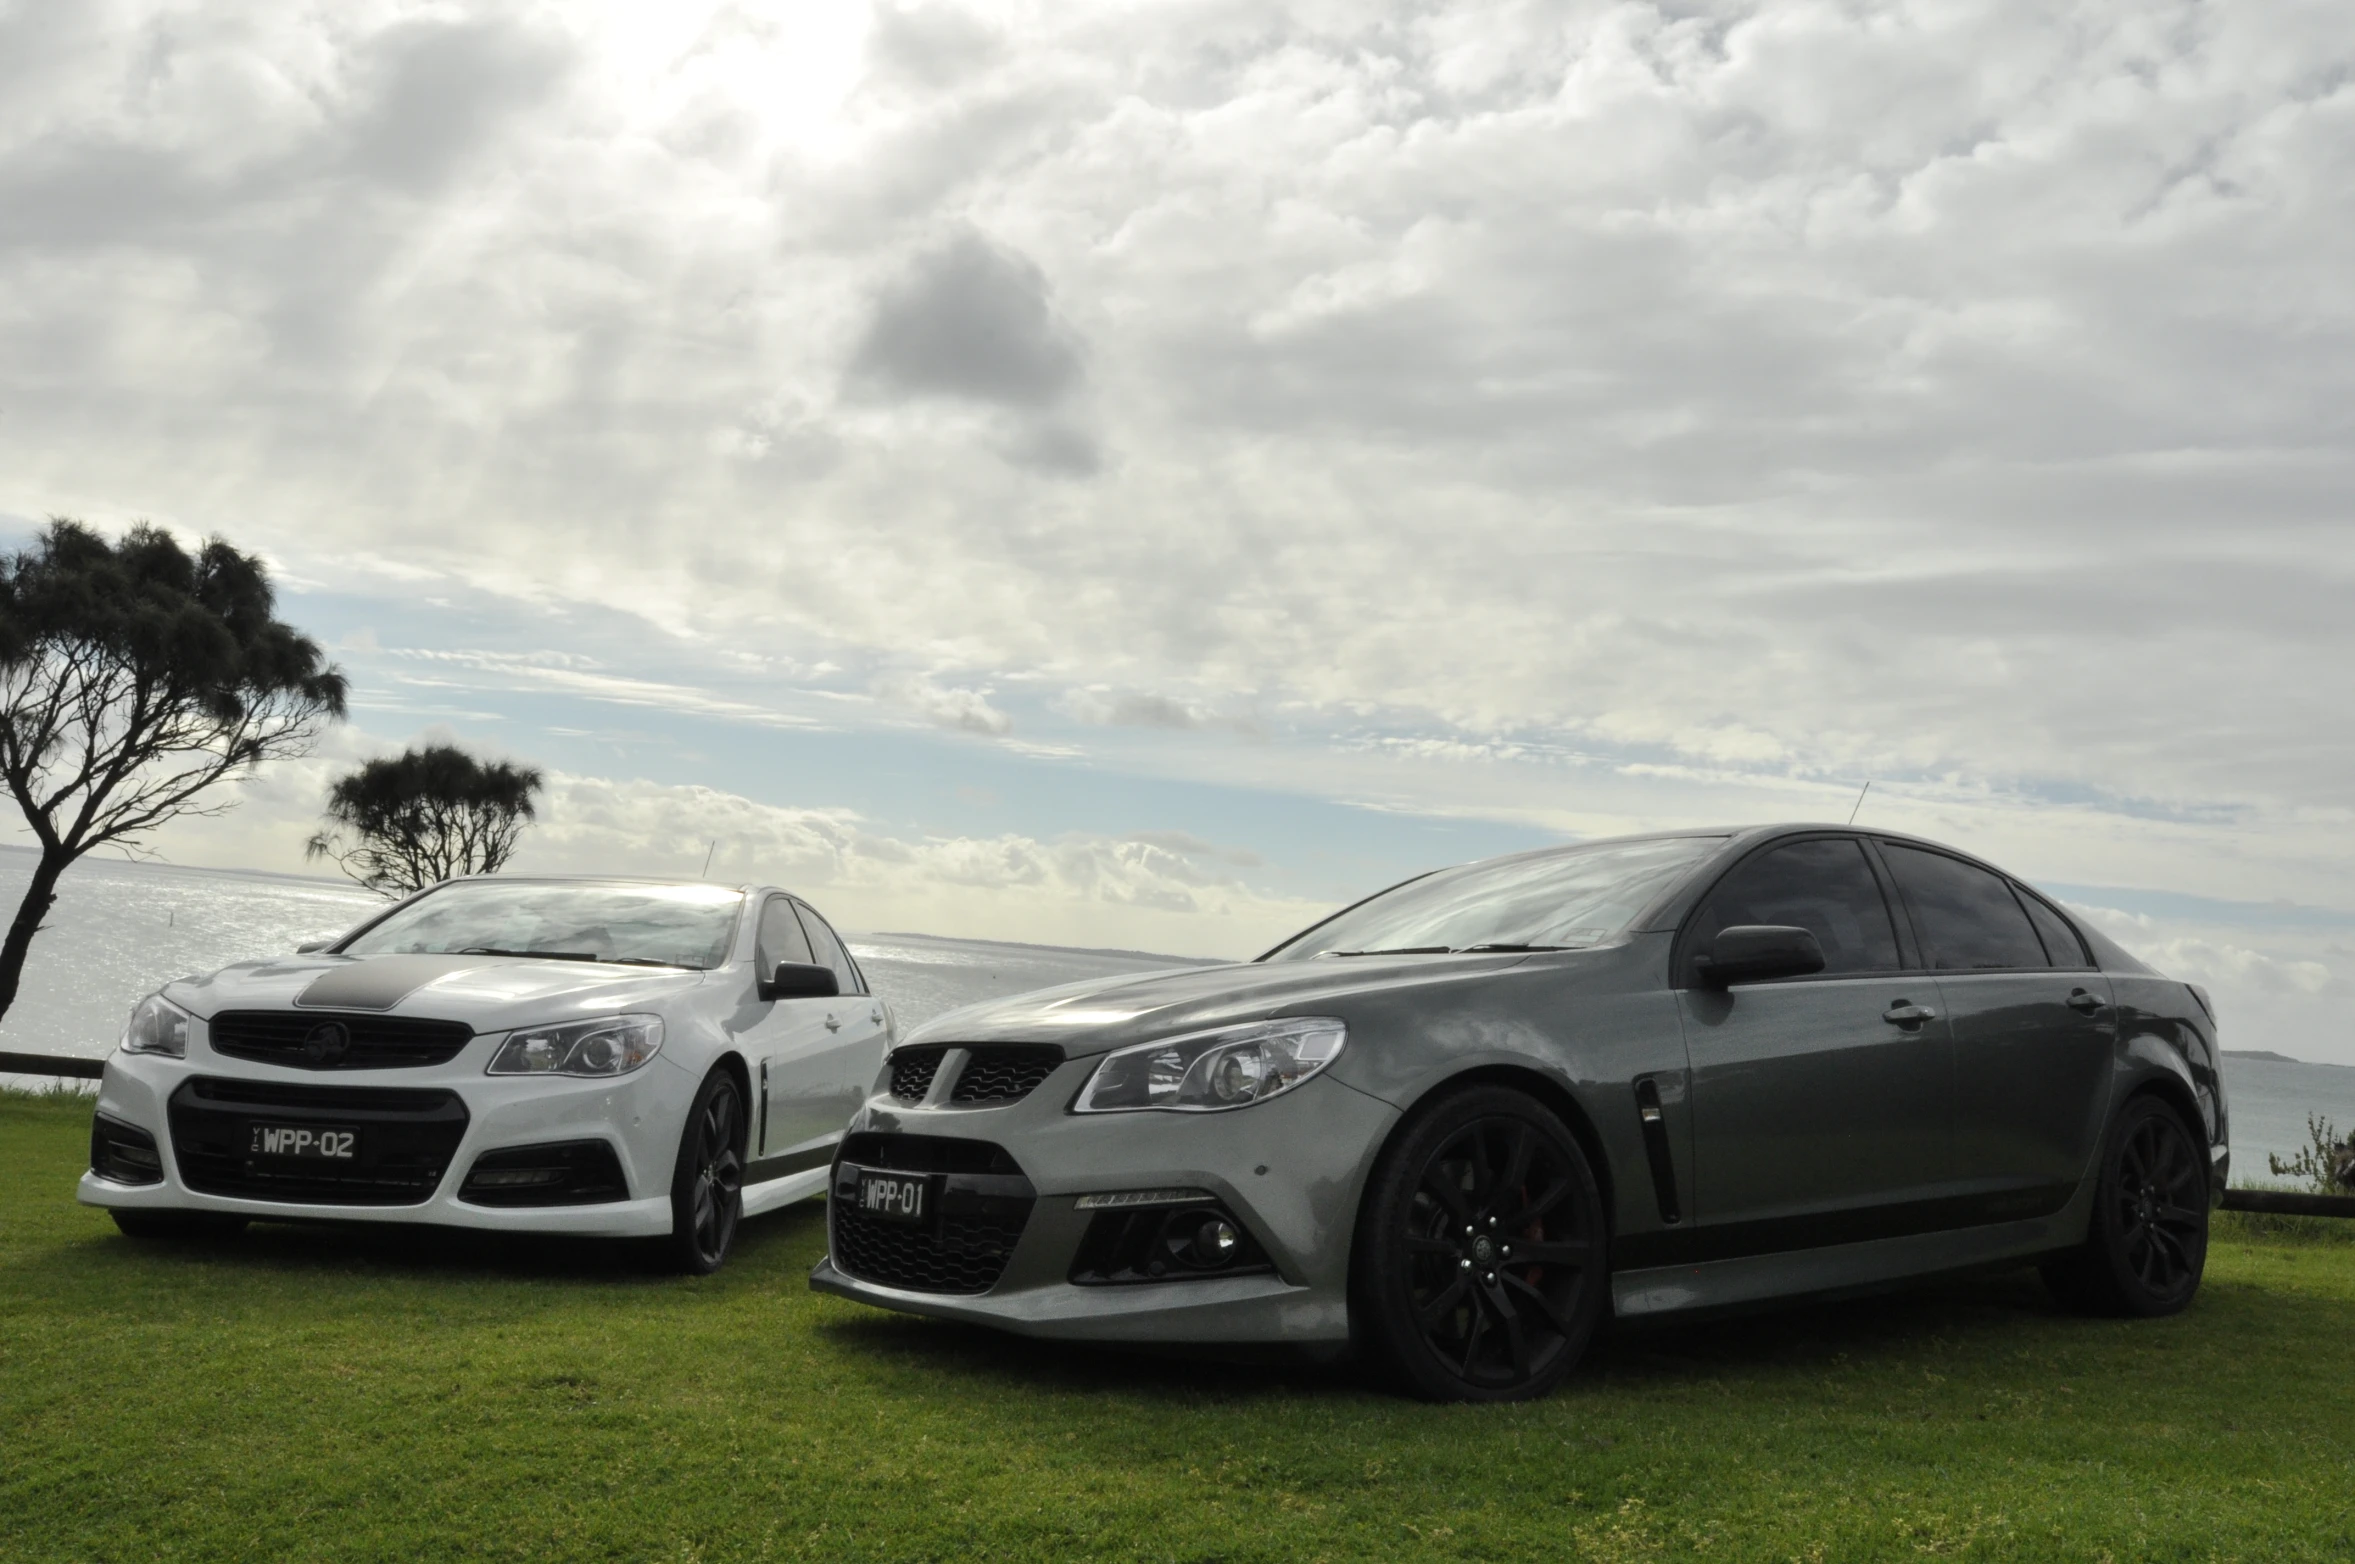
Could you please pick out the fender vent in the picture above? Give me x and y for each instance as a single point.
(1647, 1108)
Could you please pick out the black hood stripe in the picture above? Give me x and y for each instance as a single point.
(381, 982)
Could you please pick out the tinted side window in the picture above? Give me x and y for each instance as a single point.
(2060, 941)
(830, 952)
(1825, 887)
(1966, 917)
(780, 937)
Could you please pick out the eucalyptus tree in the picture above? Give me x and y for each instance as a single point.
(424, 816)
(136, 678)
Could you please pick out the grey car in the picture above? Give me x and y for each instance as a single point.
(1454, 1124)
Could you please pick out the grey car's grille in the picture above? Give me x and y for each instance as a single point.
(912, 1070)
(964, 1254)
(328, 1040)
(983, 1203)
(1003, 1075)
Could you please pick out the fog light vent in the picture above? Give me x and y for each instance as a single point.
(124, 1153)
(564, 1173)
(1170, 1243)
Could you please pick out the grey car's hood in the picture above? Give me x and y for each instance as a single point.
(1106, 1013)
(488, 993)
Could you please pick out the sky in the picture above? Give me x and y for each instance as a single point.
(1142, 474)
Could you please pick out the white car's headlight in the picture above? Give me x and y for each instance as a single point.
(609, 1045)
(157, 1027)
(1208, 1072)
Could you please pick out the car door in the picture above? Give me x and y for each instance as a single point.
(2033, 1029)
(857, 1027)
(788, 1048)
(1820, 1103)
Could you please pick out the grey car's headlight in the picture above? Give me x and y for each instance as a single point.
(157, 1027)
(1209, 1072)
(609, 1045)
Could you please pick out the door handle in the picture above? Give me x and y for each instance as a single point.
(1907, 1013)
(2082, 1002)
(833, 1023)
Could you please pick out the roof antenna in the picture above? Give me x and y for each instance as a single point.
(715, 847)
(1859, 804)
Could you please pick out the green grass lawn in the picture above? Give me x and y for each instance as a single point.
(322, 1394)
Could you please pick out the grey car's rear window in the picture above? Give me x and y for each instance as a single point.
(1967, 918)
(669, 925)
(1579, 897)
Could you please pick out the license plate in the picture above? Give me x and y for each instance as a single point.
(894, 1197)
(304, 1142)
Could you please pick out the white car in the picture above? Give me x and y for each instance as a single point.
(617, 1058)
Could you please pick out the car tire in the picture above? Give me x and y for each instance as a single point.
(177, 1226)
(2147, 1242)
(707, 1183)
(1480, 1269)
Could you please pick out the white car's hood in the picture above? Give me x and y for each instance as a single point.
(488, 993)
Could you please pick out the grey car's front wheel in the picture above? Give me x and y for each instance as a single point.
(707, 1186)
(2148, 1240)
(1479, 1272)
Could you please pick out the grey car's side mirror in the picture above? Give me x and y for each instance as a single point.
(800, 980)
(310, 945)
(1755, 952)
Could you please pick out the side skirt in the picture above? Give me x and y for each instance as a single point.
(1799, 1273)
(770, 1182)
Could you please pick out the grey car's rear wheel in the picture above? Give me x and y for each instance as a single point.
(707, 1187)
(1479, 1272)
(2148, 1241)
(177, 1226)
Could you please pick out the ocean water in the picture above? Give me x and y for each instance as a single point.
(121, 930)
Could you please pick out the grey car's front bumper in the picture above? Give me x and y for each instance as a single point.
(1290, 1170)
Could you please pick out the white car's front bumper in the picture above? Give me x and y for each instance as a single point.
(639, 1116)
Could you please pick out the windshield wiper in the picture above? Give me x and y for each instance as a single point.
(1446, 950)
(577, 955)
(544, 955)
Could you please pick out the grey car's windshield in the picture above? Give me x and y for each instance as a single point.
(647, 925)
(1556, 901)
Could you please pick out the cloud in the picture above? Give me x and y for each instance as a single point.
(1593, 414)
(968, 319)
(1163, 893)
(947, 706)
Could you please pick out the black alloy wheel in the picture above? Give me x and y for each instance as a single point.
(2148, 1240)
(1480, 1267)
(707, 1189)
(177, 1226)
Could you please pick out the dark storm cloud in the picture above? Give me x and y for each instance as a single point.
(437, 92)
(969, 319)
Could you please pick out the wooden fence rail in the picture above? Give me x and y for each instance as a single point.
(52, 1064)
(2288, 1202)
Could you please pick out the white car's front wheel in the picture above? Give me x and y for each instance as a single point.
(707, 1187)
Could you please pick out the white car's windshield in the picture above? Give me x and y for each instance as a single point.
(642, 925)
(1559, 901)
